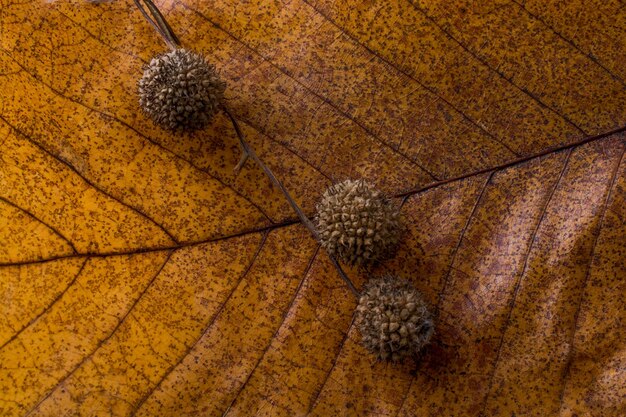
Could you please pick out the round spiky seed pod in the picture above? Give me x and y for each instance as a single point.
(179, 90)
(356, 223)
(393, 318)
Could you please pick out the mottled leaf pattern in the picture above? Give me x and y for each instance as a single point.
(139, 276)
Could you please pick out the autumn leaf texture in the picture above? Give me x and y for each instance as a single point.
(141, 276)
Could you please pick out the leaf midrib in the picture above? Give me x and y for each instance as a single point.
(294, 220)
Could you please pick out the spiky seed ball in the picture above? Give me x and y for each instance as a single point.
(356, 223)
(393, 318)
(180, 91)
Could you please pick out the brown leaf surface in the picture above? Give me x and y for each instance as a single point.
(140, 276)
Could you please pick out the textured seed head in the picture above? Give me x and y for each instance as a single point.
(393, 319)
(179, 90)
(356, 223)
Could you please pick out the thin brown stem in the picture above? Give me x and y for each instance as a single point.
(303, 218)
(241, 163)
(158, 22)
(156, 19)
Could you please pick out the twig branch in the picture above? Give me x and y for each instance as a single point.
(156, 19)
(303, 218)
(241, 163)
(158, 22)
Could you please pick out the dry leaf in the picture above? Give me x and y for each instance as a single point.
(139, 276)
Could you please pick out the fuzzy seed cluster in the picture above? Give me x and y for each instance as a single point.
(356, 223)
(393, 319)
(179, 90)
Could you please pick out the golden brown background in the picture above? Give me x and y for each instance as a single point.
(140, 276)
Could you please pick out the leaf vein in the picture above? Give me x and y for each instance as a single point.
(451, 268)
(140, 403)
(53, 229)
(47, 308)
(274, 226)
(285, 315)
(570, 355)
(412, 77)
(325, 100)
(130, 127)
(518, 283)
(315, 400)
(106, 339)
(73, 169)
(572, 43)
(501, 74)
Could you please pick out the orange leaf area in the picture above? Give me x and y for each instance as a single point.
(140, 276)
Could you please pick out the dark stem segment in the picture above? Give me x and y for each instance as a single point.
(164, 29)
(241, 163)
(249, 152)
(158, 22)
